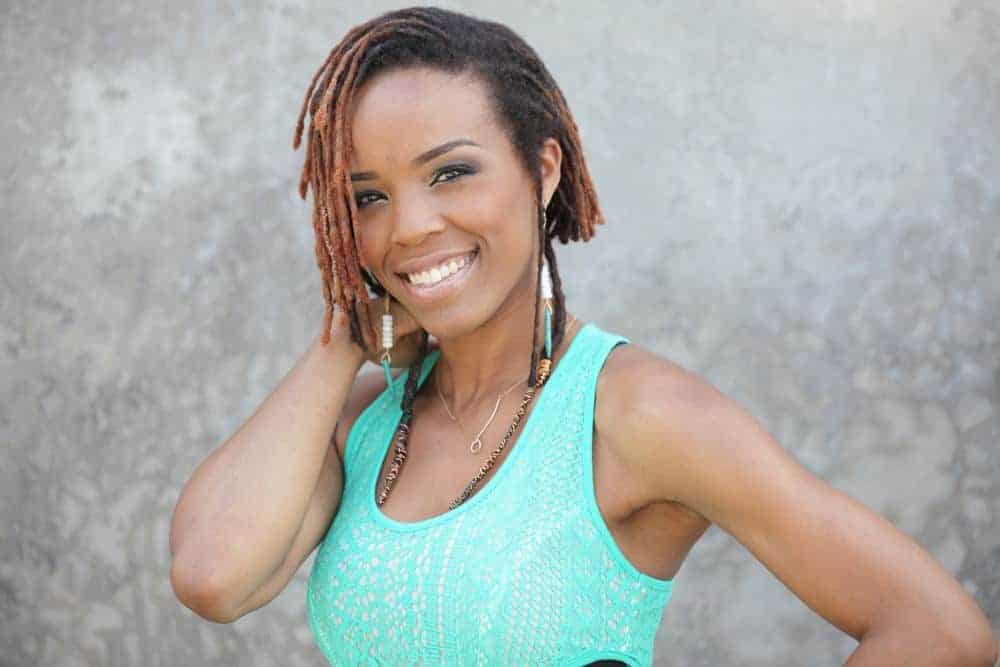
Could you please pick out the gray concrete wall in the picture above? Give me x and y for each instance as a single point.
(804, 206)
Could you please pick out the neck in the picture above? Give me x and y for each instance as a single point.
(477, 366)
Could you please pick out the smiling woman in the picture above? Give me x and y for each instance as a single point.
(444, 163)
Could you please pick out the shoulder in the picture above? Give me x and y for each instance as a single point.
(634, 377)
(638, 387)
(368, 384)
(658, 417)
(683, 440)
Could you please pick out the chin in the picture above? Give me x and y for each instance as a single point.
(453, 323)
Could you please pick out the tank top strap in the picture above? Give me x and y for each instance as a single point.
(600, 345)
(573, 387)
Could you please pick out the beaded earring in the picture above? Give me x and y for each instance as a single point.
(387, 342)
(388, 333)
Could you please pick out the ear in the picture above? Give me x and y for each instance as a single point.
(550, 164)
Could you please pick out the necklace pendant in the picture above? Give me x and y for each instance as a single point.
(476, 445)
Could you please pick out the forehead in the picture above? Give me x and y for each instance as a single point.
(401, 113)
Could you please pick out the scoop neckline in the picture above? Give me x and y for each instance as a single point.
(528, 428)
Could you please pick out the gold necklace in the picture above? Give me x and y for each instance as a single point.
(476, 444)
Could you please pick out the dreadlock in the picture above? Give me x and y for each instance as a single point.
(528, 103)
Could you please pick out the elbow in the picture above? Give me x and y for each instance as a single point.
(203, 598)
(980, 651)
(993, 653)
(993, 656)
(985, 656)
(982, 648)
(963, 641)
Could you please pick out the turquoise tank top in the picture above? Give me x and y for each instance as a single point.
(524, 572)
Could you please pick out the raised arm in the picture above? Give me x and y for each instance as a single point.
(238, 516)
(689, 443)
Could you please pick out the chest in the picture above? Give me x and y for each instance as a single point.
(519, 570)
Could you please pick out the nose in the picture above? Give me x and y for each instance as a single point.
(416, 218)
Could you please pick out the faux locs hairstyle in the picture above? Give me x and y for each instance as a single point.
(527, 102)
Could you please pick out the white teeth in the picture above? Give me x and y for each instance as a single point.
(438, 273)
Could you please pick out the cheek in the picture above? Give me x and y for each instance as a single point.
(374, 239)
(494, 212)
(512, 223)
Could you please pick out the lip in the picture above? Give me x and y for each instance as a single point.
(445, 288)
(432, 260)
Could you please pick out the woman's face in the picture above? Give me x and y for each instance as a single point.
(438, 184)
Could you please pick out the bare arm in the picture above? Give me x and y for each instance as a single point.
(325, 498)
(689, 443)
(240, 512)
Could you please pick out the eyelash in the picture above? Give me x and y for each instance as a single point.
(458, 169)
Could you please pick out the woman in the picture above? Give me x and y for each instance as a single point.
(444, 162)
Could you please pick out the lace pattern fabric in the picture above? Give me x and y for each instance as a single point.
(524, 572)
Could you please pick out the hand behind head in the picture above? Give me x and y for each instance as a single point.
(407, 332)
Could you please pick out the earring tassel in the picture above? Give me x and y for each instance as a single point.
(546, 294)
(548, 331)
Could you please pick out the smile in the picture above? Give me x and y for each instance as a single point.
(440, 280)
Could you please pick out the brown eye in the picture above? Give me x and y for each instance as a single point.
(364, 198)
(452, 172)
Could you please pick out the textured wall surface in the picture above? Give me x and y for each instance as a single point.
(803, 204)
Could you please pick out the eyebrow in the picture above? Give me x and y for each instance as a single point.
(423, 158)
